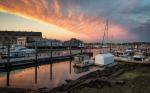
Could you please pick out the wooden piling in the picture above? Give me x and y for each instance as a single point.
(8, 62)
(36, 54)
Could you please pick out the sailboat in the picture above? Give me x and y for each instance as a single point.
(104, 58)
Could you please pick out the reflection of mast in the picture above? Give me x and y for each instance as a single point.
(70, 66)
(51, 71)
(8, 77)
(36, 74)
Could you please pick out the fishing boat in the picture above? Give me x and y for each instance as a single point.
(17, 51)
(139, 57)
(83, 61)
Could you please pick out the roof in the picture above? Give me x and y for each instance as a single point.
(106, 55)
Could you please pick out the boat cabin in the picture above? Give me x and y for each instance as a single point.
(139, 57)
(104, 59)
(81, 58)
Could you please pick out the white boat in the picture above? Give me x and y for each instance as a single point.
(17, 51)
(82, 61)
(104, 59)
(139, 58)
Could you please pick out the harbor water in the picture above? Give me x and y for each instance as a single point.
(43, 76)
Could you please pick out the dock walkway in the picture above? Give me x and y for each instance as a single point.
(30, 60)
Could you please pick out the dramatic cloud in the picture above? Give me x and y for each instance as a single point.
(144, 31)
(84, 17)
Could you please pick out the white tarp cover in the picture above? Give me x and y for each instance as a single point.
(104, 59)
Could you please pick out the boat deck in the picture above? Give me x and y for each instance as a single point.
(128, 61)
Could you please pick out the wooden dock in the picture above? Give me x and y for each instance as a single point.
(33, 61)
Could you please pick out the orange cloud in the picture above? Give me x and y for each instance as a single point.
(89, 28)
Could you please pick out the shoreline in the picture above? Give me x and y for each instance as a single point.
(96, 78)
(92, 76)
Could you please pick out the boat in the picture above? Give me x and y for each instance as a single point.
(139, 57)
(82, 61)
(18, 48)
(17, 51)
(78, 70)
(105, 58)
(120, 53)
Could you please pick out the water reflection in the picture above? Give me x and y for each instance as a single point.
(51, 71)
(49, 75)
(36, 67)
(8, 77)
(70, 66)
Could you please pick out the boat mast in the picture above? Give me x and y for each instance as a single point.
(105, 33)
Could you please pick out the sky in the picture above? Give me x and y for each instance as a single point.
(128, 20)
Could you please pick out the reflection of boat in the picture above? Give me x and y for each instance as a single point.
(80, 70)
(82, 61)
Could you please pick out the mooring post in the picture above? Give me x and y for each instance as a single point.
(8, 53)
(70, 48)
(90, 49)
(81, 49)
(36, 62)
(8, 62)
(51, 53)
(36, 53)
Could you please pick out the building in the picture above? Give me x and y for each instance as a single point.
(12, 36)
(74, 43)
(22, 41)
(43, 42)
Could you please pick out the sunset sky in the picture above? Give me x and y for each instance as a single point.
(129, 20)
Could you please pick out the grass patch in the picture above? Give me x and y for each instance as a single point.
(141, 71)
(129, 75)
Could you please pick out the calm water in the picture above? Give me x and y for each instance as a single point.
(50, 75)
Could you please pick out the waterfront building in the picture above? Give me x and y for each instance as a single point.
(43, 42)
(22, 41)
(74, 43)
(13, 36)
